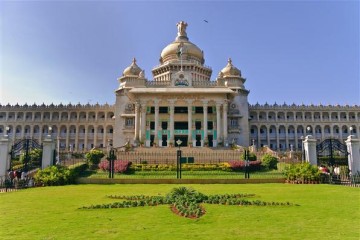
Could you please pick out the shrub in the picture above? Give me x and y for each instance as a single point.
(52, 176)
(120, 166)
(240, 165)
(302, 172)
(94, 156)
(269, 161)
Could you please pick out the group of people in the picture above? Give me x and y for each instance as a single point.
(16, 176)
(325, 170)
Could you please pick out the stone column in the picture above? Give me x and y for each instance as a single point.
(310, 150)
(205, 123)
(5, 147)
(225, 120)
(137, 122)
(48, 152)
(190, 123)
(171, 127)
(156, 139)
(95, 136)
(218, 123)
(143, 123)
(353, 148)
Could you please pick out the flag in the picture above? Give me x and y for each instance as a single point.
(179, 53)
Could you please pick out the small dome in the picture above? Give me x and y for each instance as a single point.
(183, 46)
(132, 70)
(230, 70)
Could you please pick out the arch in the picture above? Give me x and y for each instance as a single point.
(64, 116)
(271, 116)
(28, 116)
(2, 115)
(82, 116)
(63, 130)
(336, 131)
(281, 116)
(299, 116)
(344, 130)
(327, 131)
(73, 116)
(300, 130)
(254, 116)
(46, 116)
(317, 116)
(27, 131)
(325, 116)
(92, 115)
(343, 116)
(20, 116)
(55, 116)
(37, 116)
(101, 115)
(308, 116)
(352, 116)
(109, 115)
(334, 116)
(262, 115)
(290, 116)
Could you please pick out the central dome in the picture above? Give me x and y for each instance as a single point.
(181, 48)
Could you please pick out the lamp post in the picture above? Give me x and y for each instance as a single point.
(308, 130)
(7, 130)
(111, 157)
(351, 129)
(247, 172)
(178, 160)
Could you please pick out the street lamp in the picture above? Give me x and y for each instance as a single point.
(7, 129)
(179, 142)
(178, 162)
(111, 157)
(49, 132)
(308, 130)
(351, 129)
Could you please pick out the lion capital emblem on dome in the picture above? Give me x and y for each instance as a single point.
(182, 28)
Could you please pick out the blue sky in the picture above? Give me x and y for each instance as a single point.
(73, 51)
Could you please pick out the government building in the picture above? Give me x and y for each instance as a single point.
(179, 102)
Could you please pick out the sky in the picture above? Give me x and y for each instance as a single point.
(302, 52)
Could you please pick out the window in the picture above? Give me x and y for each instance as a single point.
(210, 125)
(163, 109)
(164, 125)
(129, 122)
(199, 110)
(233, 123)
(152, 125)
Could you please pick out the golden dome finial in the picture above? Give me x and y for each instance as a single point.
(182, 28)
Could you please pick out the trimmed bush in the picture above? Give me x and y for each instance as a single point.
(120, 166)
(240, 165)
(269, 161)
(302, 172)
(94, 156)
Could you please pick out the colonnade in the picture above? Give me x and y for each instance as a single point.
(221, 121)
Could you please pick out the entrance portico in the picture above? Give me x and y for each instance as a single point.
(200, 114)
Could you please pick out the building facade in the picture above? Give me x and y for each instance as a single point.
(180, 102)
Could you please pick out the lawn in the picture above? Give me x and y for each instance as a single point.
(324, 212)
(187, 175)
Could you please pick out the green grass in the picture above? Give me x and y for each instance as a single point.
(325, 212)
(187, 175)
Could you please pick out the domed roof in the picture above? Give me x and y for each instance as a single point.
(230, 70)
(182, 46)
(132, 70)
